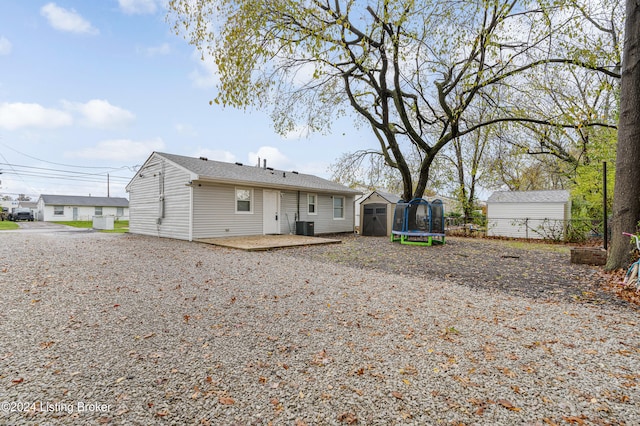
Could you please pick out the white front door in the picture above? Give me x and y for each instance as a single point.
(271, 212)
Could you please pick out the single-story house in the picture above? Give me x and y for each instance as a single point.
(529, 214)
(54, 208)
(192, 198)
(375, 213)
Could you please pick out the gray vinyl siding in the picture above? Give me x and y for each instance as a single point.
(144, 202)
(324, 223)
(214, 212)
(288, 212)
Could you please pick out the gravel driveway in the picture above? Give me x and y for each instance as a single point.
(122, 329)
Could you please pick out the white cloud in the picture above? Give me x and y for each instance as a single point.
(67, 19)
(216, 154)
(5, 46)
(101, 114)
(17, 115)
(185, 129)
(138, 7)
(274, 158)
(163, 49)
(206, 75)
(124, 150)
(299, 132)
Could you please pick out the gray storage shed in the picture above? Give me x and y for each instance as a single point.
(376, 213)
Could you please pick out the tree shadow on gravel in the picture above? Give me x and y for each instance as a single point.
(543, 273)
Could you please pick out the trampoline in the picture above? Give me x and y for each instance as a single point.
(418, 222)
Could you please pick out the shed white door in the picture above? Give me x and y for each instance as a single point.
(271, 212)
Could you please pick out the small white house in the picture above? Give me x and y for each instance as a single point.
(529, 214)
(191, 198)
(64, 208)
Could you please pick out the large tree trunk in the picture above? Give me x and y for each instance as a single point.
(626, 198)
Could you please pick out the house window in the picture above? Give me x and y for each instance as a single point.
(58, 210)
(119, 211)
(311, 204)
(98, 211)
(244, 198)
(338, 207)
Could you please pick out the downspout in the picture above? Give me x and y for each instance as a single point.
(298, 211)
(190, 213)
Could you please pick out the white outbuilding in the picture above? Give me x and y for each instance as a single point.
(529, 214)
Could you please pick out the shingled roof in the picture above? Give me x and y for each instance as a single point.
(77, 200)
(217, 171)
(551, 196)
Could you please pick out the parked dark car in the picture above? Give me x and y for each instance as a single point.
(21, 214)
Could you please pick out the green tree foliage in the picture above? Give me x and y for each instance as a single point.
(587, 189)
(414, 72)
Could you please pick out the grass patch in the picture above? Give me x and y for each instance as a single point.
(120, 226)
(526, 245)
(5, 225)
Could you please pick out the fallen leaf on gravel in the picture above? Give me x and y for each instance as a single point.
(196, 392)
(300, 423)
(509, 406)
(348, 418)
(409, 370)
(396, 394)
(45, 345)
(321, 358)
(575, 419)
(507, 372)
(162, 413)
(149, 335)
(186, 318)
(226, 400)
(17, 381)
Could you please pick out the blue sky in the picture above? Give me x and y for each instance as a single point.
(93, 87)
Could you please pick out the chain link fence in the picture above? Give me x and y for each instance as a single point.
(574, 230)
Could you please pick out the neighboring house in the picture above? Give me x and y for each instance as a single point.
(62, 208)
(191, 198)
(529, 214)
(31, 205)
(375, 212)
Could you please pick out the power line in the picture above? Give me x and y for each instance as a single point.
(71, 172)
(67, 165)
